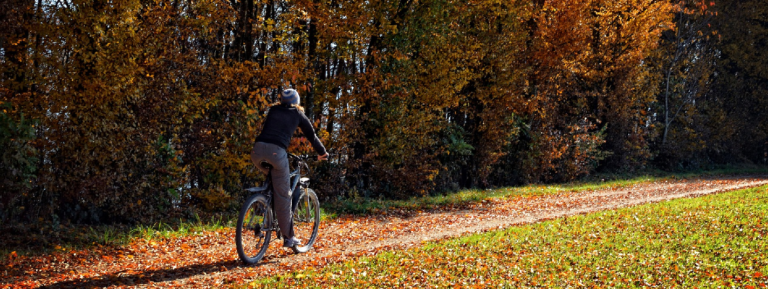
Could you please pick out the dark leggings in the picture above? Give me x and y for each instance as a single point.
(278, 158)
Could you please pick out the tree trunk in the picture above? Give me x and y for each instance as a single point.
(314, 68)
(666, 109)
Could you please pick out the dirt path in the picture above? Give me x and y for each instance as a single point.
(210, 259)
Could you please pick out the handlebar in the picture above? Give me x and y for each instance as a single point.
(304, 158)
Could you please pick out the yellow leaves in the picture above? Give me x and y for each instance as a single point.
(202, 75)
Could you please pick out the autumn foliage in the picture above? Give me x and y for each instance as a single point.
(133, 110)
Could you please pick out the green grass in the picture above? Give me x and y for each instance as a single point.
(168, 231)
(367, 206)
(715, 170)
(707, 242)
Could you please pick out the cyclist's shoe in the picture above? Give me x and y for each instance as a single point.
(292, 242)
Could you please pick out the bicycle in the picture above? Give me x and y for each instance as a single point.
(257, 220)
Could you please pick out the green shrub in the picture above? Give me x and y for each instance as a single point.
(18, 159)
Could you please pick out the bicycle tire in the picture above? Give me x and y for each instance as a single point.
(306, 220)
(252, 242)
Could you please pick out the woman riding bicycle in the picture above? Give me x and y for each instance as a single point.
(282, 121)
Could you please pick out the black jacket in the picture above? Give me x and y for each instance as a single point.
(282, 122)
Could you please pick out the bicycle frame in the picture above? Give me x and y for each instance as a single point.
(267, 190)
(252, 224)
(295, 178)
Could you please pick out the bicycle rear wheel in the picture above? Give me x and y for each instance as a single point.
(253, 229)
(306, 220)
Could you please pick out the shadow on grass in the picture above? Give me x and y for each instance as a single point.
(135, 278)
(43, 238)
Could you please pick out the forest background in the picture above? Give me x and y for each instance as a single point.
(131, 111)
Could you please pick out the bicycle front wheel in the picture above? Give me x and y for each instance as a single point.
(306, 220)
(253, 229)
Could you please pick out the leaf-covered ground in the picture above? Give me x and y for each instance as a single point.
(208, 258)
(708, 242)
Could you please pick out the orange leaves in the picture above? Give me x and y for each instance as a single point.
(207, 258)
(586, 71)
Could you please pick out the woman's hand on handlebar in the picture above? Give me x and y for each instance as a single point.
(323, 157)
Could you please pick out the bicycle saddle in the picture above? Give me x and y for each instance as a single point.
(266, 165)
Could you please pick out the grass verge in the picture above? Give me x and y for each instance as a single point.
(367, 206)
(711, 241)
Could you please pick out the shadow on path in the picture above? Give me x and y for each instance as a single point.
(145, 277)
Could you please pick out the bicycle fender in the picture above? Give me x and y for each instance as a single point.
(257, 189)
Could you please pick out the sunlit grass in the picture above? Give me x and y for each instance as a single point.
(172, 230)
(366, 206)
(707, 242)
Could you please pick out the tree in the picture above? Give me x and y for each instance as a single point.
(740, 82)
